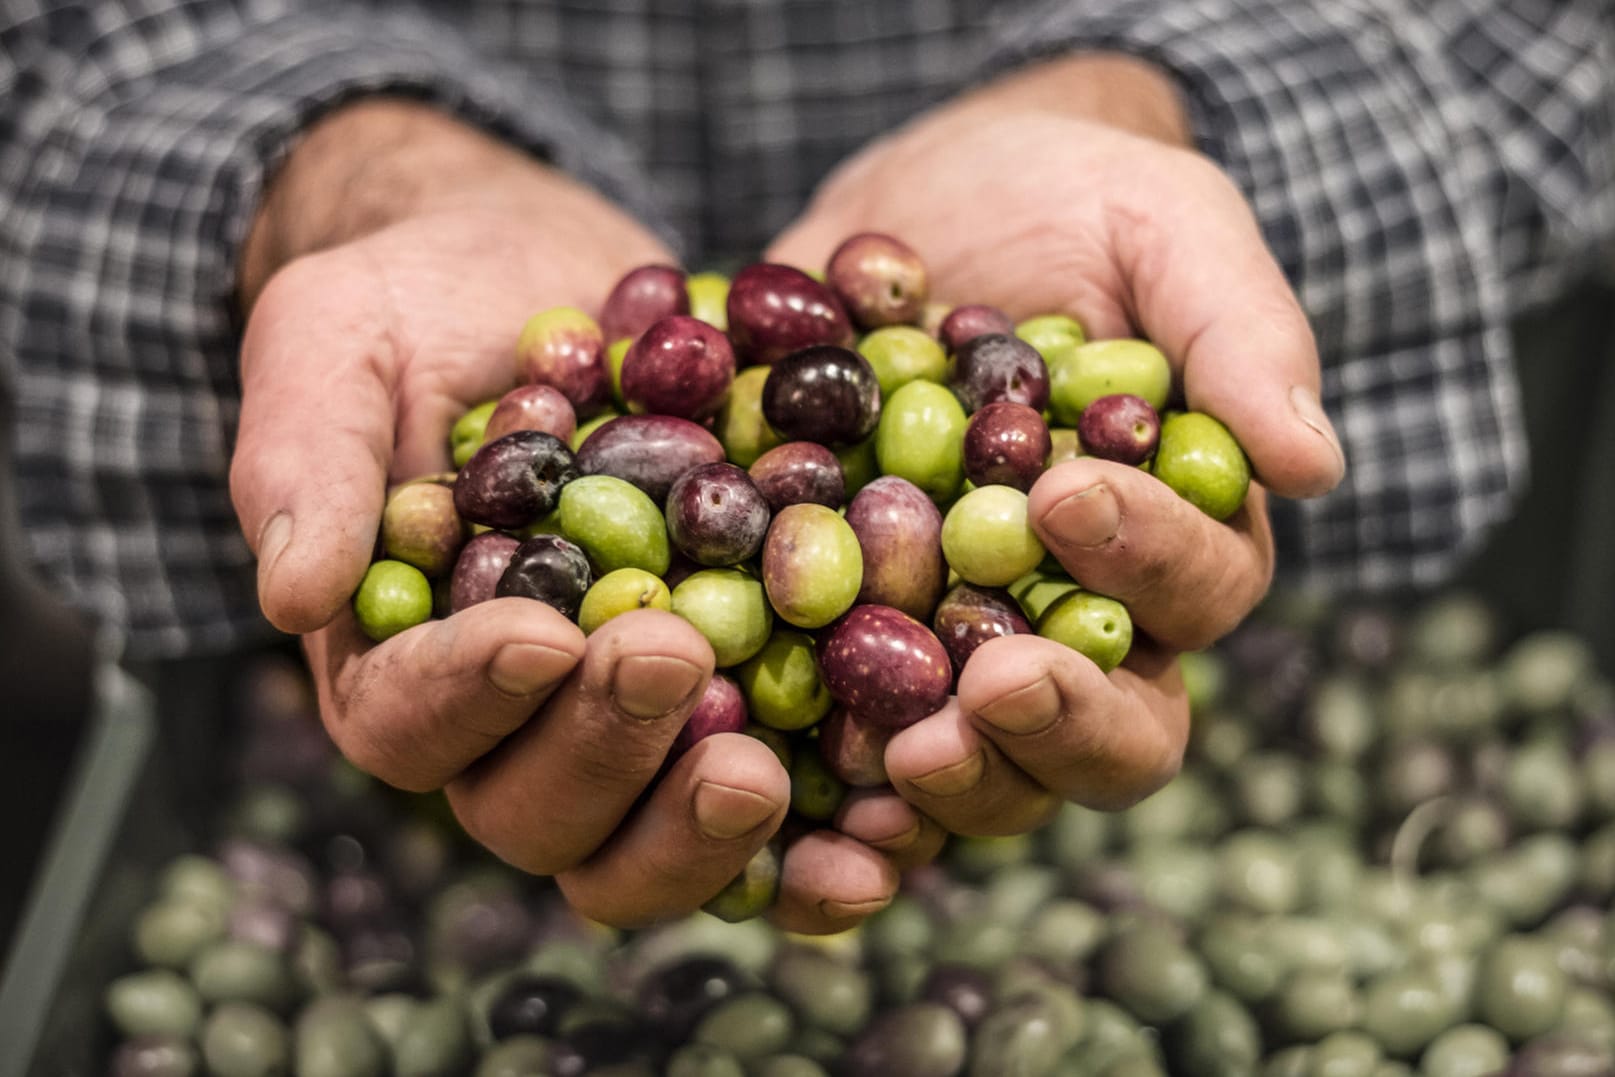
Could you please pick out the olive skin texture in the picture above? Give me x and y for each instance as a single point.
(716, 515)
(965, 323)
(899, 531)
(642, 297)
(532, 407)
(1006, 444)
(392, 596)
(550, 569)
(799, 472)
(721, 709)
(420, 527)
(514, 481)
(774, 310)
(998, 367)
(825, 394)
(680, 366)
(969, 616)
(1200, 460)
(853, 750)
(477, 570)
(879, 279)
(564, 348)
(885, 666)
(1120, 427)
(649, 451)
(812, 565)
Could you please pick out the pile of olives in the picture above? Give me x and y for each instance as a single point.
(1391, 852)
(827, 478)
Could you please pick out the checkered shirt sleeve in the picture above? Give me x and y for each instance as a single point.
(134, 142)
(1422, 171)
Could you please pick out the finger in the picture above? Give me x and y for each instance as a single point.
(950, 772)
(1103, 741)
(709, 813)
(421, 707)
(309, 472)
(1207, 291)
(1185, 578)
(885, 821)
(554, 791)
(829, 882)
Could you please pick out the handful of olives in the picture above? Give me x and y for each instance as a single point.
(826, 477)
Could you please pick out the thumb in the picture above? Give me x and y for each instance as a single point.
(309, 473)
(1208, 292)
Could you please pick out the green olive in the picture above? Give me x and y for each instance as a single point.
(392, 596)
(900, 354)
(1200, 460)
(620, 591)
(244, 1040)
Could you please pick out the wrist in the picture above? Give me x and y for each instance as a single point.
(1110, 88)
(370, 164)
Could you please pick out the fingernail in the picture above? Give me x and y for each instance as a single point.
(1310, 411)
(523, 669)
(648, 686)
(897, 842)
(1089, 518)
(847, 910)
(1031, 708)
(955, 778)
(273, 538)
(724, 813)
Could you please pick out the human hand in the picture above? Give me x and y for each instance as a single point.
(1069, 187)
(389, 270)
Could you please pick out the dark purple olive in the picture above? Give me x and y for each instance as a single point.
(642, 297)
(969, 616)
(354, 899)
(966, 991)
(879, 279)
(899, 530)
(673, 1000)
(1006, 444)
(799, 472)
(514, 481)
(722, 710)
(532, 407)
(530, 1005)
(280, 874)
(649, 451)
(966, 323)
(775, 310)
(550, 569)
(1119, 427)
(716, 515)
(606, 1045)
(564, 347)
(679, 366)
(477, 571)
(826, 394)
(999, 366)
(854, 750)
(885, 666)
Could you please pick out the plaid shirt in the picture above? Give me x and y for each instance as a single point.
(1422, 169)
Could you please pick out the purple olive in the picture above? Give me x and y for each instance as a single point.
(642, 297)
(722, 709)
(716, 515)
(885, 666)
(563, 347)
(798, 472)
(854, 749)
(673, 998)
(1000, 366)
(965, 990)
(879, 279)
(899, 530)
(550, 569)
(649, 451)
(1120, 427)
(1006, 444)
(679, 366)
(966, 323)
(532, 407)
(478, 568)
(969, 616)
(826, 394)
(775, 310)
(530, 1004)
(514, 481)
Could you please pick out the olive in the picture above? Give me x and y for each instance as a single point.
(231, 970)
(244, 1040)
(154, 1056)
(1520, 990)
(1405, 1010)
(920, 1039)
(748, 1026)
(530, 1004)
(704, 1060)
(156, 1002)
(436, 1042)
(171, 932)
(1311, 1004)
(966, 991)
(674, 998)
(520, 1056)
(334, 1037)
(1465, 1051)
(1025, 1035)
(1150, 972)
(788, 1065)
(823, 990)
(1346, 1054)
(1217, 1038)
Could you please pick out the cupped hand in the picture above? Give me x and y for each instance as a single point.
(388, 274)
(1069, 187)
